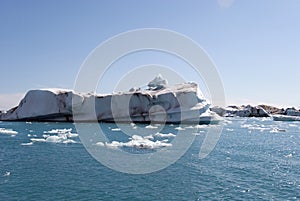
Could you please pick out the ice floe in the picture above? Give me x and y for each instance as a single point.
(116, 129)
(138, 142)
(151, 127)
(162, 135)
(27, 144)
(8, 131)
(62, 136)
(7, 174)
(179, 128)
(289, 156)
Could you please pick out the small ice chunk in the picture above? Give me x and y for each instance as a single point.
(162, 135)
(7, 174)
(27, 144)
(138, 142)
(69, 141)
(72, 135)
(8, 131)
(62, 131)
(151, 127)
(179, 128)
(101, 144)
(38, 140)
(116, 129)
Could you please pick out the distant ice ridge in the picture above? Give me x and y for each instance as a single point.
(159, 103)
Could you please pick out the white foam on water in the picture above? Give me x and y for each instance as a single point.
(8, 131)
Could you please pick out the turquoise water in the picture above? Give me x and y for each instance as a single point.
(255, 159)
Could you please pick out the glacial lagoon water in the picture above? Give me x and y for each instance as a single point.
(255, 159)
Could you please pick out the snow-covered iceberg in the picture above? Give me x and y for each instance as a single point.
(240, 111)
(289, 114)
(161, 103)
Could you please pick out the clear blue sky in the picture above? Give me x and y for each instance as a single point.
(254, 44)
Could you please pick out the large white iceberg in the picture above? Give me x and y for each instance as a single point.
(160, 103)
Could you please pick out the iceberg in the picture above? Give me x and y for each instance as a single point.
(160, 103)
(240, 111)
(279, 117)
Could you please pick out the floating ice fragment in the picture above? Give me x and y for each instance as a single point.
(137, 142)
(62, 136)
(289, 156)
(116, 129)
(179, 128)
(101, 144)
(151, 127)
(55, 139)
(38, 140)
(72, 135)
(62, 131)
(7, 174)
(69, 141)
(162, 135)
(277, 130)
(8, 131)
(27, 144)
